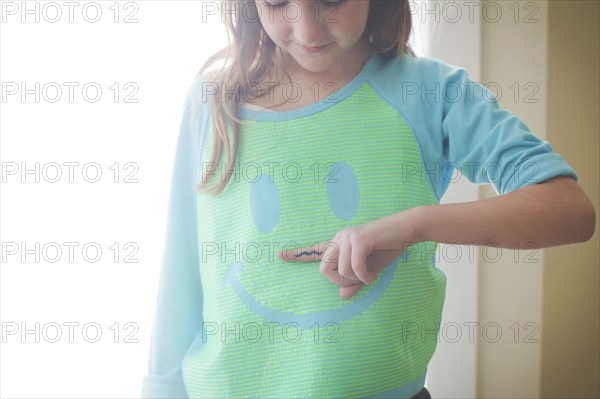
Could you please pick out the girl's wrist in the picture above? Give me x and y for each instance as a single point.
(401, 229)
(416, 217)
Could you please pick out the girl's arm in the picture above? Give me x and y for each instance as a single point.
(551, 213)
(178, 315)
(555, 212)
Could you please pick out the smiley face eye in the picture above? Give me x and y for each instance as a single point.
(265, 203)
(342, 194)
(342, 191)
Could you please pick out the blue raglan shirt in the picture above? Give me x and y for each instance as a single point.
(456, 122)
(179, 302)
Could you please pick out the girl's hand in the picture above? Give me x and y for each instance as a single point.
(356, 254)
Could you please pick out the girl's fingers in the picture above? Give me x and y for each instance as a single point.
(347, 292)
(359, 264)
(330, 269)
(314, 253)
(345, 267)
(336, 278)
(329, 264)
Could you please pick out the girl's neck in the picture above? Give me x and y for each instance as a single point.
(339, 75)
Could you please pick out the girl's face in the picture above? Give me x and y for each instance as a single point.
(320, 36)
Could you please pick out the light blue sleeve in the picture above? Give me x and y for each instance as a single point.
(178, 314)
(459, 126)
(489, 144)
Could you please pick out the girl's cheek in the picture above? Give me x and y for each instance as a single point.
(277, 30)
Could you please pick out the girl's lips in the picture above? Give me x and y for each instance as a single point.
(311, 50)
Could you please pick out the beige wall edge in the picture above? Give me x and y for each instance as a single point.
(571, 302)
(514, 54)
(559, 295)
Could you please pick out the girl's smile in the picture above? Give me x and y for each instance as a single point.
(313, 50)
(324, 40)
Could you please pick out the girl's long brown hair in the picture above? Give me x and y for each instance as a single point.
(251, 56)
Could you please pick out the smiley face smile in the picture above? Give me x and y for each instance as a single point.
(305, 320)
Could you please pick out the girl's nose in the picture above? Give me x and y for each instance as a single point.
(308, 27)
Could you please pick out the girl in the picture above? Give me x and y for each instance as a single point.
(303, 264)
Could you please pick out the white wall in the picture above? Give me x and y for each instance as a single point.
(158, 56)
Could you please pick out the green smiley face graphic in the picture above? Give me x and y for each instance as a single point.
(343, 199)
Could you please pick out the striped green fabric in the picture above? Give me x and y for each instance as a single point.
(279, 329)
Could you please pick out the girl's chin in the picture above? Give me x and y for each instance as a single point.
(313, 65)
